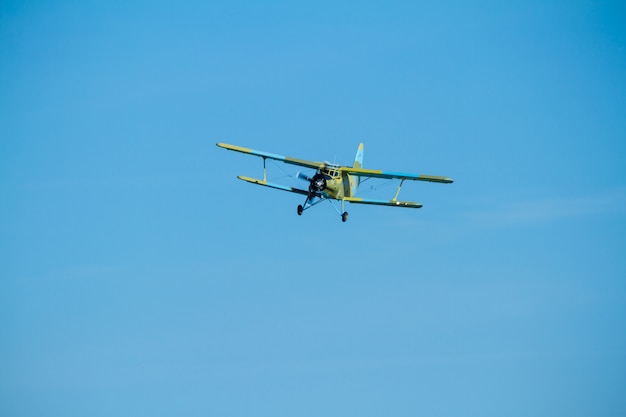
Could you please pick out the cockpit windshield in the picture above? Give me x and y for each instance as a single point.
(330, 172)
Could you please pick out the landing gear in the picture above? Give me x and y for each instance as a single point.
(316, 199)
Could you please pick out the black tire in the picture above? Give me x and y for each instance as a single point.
(344, 216)
(300, 210)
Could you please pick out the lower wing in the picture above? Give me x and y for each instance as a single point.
(273, 185)
(390, 203)
(355, 200)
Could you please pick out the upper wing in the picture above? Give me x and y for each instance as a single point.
(285, 159)
(391, 175)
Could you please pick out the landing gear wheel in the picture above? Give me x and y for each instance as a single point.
(344, 216)
(300, 210)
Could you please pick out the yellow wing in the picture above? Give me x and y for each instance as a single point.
(374, 173)
(390, 203)
(273, 185)
(285, 159)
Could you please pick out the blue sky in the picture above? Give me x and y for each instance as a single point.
(140, 277)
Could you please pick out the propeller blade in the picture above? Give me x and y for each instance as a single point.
(302, 176)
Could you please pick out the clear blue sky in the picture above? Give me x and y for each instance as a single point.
(138, 276)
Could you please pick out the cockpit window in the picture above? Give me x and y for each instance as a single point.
(330, 173)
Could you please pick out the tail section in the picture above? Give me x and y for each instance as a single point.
(358, 160)
(358, 163)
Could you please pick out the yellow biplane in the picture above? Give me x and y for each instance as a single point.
(334, 182)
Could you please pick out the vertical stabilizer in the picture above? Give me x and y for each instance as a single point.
(358, 163)
(358, 160)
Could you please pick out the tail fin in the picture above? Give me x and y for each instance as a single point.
(358, 160)
(358, 163)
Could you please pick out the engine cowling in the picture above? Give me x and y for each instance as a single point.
(318, 183)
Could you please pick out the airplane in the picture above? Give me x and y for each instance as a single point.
(334, 182)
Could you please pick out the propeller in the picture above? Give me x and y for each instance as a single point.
(317, 184)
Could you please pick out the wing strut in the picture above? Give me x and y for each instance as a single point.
(264, 170)
(395, 198)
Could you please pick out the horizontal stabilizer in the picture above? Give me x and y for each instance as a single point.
(391, 203)
(273, 185)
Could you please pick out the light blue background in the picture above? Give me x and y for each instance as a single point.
(140, 277)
